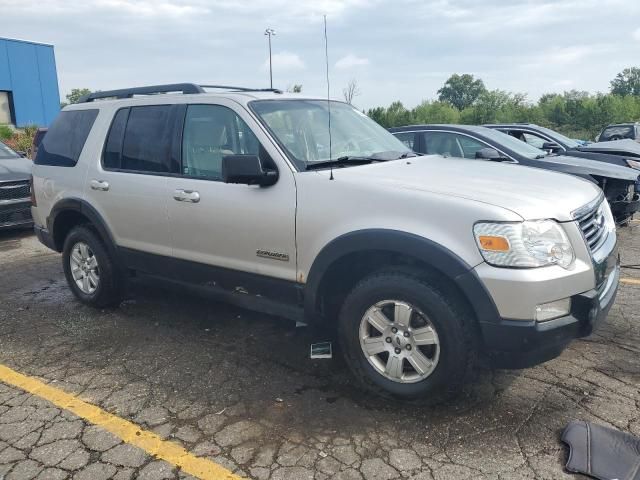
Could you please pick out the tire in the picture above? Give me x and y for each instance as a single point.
(437, 306)
(107, 290)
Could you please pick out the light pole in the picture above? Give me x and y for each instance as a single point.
(269, 32)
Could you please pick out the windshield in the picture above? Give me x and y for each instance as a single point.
(518, 146)
(302, 128)
(566, 141)
(6, 152)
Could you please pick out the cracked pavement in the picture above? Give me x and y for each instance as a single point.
(238, 388)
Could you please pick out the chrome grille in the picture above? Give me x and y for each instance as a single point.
(593, 227)
(14, 190)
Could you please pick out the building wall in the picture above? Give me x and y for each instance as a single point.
(28, 74)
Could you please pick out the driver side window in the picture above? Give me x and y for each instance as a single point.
(211, 132)
(452, 144)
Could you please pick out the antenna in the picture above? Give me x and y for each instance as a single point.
(326, 58)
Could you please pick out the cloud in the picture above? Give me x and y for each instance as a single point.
(398, 49)
(351, 61)
(285, 61)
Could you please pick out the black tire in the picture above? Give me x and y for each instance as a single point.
(108, 292)
(454, 326)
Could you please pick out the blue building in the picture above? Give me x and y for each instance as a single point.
(28, 83)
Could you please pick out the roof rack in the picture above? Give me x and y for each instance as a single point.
(184, 88)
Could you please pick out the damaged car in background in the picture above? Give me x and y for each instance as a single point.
(625, 152)
(482, 143)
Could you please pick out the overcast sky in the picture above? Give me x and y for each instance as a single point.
(396, 50)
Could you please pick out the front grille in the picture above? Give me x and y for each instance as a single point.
(14, 190)
(15, 217)
(593, 227)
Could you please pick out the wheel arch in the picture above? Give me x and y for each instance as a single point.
(70, 212)
(399, 250)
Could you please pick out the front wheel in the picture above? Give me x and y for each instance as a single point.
(403, 337)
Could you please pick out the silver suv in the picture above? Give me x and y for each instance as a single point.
(420, 263)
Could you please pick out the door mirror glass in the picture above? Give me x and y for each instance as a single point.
(489, 154)
(247, 170)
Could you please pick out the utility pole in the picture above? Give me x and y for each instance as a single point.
(269, 32)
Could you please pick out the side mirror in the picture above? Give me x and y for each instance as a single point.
(489, 154)
(551, 146)
(247, 170)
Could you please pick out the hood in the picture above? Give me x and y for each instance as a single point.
(15, 169)
(619, 147)
(531, 193)
(584, 167)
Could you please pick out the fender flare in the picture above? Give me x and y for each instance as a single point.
(427, 251)
(83, 207)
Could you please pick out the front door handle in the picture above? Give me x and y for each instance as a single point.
(186, 196)
(99, 185)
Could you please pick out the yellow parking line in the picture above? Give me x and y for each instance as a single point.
(127, 431)
(630, 281)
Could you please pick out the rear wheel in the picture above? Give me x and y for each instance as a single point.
(90, 270)
(405, 338)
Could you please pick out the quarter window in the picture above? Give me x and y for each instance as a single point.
(210, 133)
(63, 143)
(533, 140)
(112, 157)
(408, 138)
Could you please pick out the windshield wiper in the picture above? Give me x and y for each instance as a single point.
(347, 159)
(538, 157)
(361, 159)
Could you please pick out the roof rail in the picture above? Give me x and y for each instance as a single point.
(242, 89)
(184, 88)
(150, 90)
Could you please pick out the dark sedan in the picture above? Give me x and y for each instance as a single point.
(620, 152)
(15, 193)
(466, 141)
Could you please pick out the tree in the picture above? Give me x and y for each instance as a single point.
(461, 91)
(627, 82)
(295, 88)
(75, 95)
(351, 91)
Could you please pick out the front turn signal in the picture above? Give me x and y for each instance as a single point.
(493, 244)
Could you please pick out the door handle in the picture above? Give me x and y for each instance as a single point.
(186, 196)
(99, 185)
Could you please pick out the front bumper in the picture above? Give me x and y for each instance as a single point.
(521, 344)
(15, 214)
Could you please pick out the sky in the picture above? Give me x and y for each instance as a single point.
(395, 50)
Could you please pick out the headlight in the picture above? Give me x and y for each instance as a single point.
(634, 164)
(525, 244)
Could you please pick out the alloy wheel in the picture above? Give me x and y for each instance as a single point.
(399, 341)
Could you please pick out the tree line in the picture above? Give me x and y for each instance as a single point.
(577, 114)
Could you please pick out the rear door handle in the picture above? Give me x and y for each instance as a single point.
(99, 185)
(186, 196)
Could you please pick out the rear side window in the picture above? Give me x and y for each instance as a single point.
(146, 146)
(64, 141)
